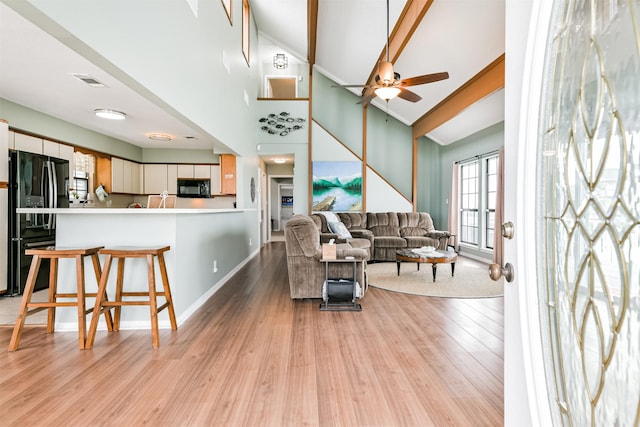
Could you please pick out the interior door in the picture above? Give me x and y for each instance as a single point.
(578, 189)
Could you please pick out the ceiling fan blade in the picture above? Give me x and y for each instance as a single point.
(367, 98)
(407, 95)
(420, 80)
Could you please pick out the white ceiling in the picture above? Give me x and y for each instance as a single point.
(458, 36)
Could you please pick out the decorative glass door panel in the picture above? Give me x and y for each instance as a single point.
(589, 213)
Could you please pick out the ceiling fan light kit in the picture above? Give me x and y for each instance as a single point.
(387, 92)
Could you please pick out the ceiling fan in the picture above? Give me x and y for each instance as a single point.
(388, 83)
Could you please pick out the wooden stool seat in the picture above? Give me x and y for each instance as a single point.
(103, 306)
(54, 254)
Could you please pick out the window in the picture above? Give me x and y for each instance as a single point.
(491, 178)
(246, 22)
(469, 203)
(478, 190)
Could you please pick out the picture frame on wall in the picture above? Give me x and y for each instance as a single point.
(337, 186)
(227, 4)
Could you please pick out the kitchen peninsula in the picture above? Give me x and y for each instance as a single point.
(207, 247)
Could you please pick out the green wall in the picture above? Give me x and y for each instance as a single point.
(484, 141)
(389, 142)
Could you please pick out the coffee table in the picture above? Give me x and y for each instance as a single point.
(421, 257)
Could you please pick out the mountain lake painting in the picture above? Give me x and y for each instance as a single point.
(337, 186)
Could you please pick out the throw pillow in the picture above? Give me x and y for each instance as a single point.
(340, 229)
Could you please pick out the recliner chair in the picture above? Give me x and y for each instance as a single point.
(304, 252)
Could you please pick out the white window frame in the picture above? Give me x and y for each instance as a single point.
(482, 209)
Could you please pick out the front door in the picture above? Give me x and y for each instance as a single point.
(578, 207)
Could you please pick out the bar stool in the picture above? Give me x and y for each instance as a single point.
(54, 254)
(103, 306)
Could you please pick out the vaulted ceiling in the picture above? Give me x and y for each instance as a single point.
(346, 39)
(342, 39)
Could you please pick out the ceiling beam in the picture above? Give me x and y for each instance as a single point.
(487, 81)
(407, 23)
(312, 28)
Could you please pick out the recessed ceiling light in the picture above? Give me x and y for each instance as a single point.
(110, 114)
(160, 136)
(280, 161)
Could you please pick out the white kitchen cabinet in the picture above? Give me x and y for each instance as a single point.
(66, 152)
(50, 148)
(172, 179)
(155, 178)
(117, 175)
(131, 172)
(125, 176)
(201, 171)
(28, 143)
(4, 153)
(215, 180)
(185, 171)
(12, 139)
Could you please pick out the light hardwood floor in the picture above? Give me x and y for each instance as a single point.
(253, 357)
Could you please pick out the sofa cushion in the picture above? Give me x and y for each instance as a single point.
(385, 230)
(412, 231)
(415, 220)
(354, 220)
(375, 219)
(390, 242)
(302, 236)
(340, 229)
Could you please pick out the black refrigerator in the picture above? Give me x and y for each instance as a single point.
(35, 181)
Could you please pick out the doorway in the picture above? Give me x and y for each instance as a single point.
(281, 87)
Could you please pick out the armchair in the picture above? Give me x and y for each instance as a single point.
(306, 272)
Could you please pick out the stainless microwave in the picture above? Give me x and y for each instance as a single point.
(194, 188)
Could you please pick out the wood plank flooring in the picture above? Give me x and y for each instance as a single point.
(253, 357)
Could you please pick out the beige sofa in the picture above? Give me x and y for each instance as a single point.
(304, 251)
(387, 231)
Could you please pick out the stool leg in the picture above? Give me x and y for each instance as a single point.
(119, 282)
(81, 301)
(153, 303)
(167, 291)
(26, 298)
(102, 292)
(53, 294)
(96, 268)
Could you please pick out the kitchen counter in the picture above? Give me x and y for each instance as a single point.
(134, 211)
(208, 246)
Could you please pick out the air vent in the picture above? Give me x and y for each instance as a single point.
(88, 80)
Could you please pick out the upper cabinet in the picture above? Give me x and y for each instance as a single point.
(155, 179)
(227, 174)
(126, 176)
(194, 171)
(32, 144)
(27, 143)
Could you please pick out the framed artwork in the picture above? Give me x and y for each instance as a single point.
(337, 186)
(227, 8)
(246, 35)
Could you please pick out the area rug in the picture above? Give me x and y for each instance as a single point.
(471, 280)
